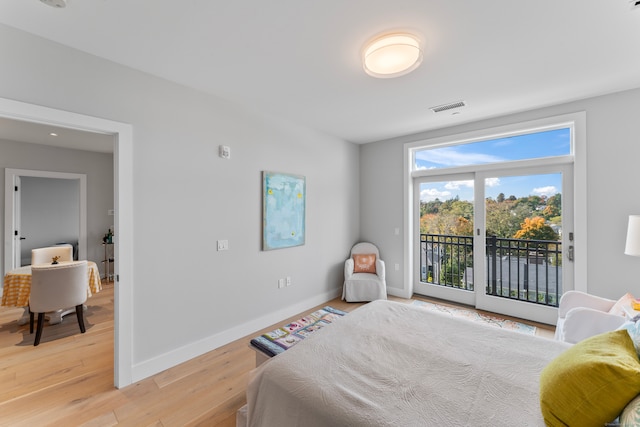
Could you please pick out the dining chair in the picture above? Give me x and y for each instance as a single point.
(55, 287)
(45, 255)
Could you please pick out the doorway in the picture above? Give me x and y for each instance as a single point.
(497, 252)
(123, 218)
(61, 218)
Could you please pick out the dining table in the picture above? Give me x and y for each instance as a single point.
(17, 288)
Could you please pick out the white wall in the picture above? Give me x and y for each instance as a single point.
(188, 297)
(50, 213)
(97, 166)
(613, 153)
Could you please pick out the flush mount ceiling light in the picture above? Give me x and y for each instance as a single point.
(55, 3)
(392, 55)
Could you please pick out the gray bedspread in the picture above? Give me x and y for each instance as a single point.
(393, 364)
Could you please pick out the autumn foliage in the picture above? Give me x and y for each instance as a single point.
(535, 228)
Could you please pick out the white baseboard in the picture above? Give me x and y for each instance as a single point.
(400, 293)
(170, 359)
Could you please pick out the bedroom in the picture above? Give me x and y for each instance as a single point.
(176, 173)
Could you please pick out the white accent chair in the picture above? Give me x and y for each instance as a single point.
(55, 287)
(45, 255)
(582, 315)
(359, 286)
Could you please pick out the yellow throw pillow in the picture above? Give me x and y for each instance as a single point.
(590, 383)
(364, 263)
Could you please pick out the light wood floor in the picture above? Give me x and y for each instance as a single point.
(68, 379)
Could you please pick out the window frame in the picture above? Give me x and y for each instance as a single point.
(575, 121)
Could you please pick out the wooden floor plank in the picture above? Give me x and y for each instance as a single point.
(107, 419)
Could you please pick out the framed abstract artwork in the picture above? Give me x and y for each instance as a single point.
(283, 210)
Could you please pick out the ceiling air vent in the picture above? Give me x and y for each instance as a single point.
(449, 106)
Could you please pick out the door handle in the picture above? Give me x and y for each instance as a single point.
(22, 238)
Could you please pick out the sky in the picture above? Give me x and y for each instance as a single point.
(536, 145)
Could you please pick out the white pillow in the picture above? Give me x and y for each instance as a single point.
(630, 416)
(633, 329)
(618, 308)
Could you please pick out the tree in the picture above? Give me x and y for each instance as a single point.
(430, 207)
(531, 202)
(451, 217)
(557, 220)
(436, 224)
(554, 206)
(428, 223)
(463, 227)
(535, 229)
(504, 219)
(445, 224)
(462, 208)
(457, 207)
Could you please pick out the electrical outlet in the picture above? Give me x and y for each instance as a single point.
(280, 283)
(397, 266)
(288, 280)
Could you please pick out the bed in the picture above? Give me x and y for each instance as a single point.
(393, 364)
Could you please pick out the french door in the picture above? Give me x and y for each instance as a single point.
(499, 239)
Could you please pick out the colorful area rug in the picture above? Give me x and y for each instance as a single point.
(477, 317)
(277, 341)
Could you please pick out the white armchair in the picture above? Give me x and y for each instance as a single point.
(364, 274)
(581, 315)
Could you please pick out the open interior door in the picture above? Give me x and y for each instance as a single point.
(17, 238)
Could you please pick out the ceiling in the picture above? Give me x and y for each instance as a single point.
(300, 60)
(35, 133)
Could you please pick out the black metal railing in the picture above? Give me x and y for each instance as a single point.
(519, 269)
(447, 260)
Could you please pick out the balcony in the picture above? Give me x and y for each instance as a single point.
(517, 269)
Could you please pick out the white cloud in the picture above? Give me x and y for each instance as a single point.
(492, 182)
(455, 185)
(503, 142)
(424, 168)
(430, 194)
(449, 157)
(548, 191)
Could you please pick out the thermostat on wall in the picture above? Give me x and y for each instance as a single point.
(224, 152)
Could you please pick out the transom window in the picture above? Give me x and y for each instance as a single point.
(535, 145)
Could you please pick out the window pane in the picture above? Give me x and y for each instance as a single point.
(446, 234)
(523, 227)
(537, 145)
